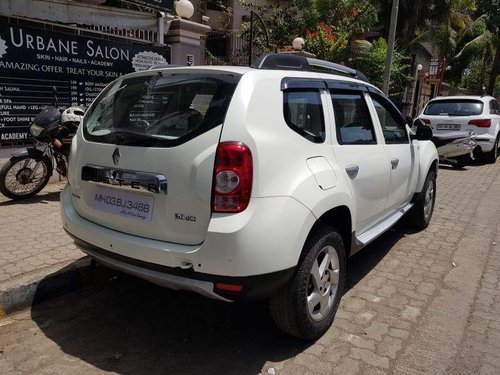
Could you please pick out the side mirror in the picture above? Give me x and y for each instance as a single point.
(424, 132)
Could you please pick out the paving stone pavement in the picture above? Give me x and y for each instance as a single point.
(32, 235)
(32, 241)
(417, 303)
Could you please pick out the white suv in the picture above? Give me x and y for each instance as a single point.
(246, 183)
(479, 114)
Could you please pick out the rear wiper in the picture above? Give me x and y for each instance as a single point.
(127, 137)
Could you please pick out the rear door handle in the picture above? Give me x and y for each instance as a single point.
(394, 163)
(352, 171)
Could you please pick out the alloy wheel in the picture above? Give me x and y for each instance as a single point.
(429, 200)
(323, 283)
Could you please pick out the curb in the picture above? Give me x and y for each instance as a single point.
(28, 290)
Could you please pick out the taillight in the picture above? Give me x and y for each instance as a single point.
(426, 121)
(481, 123)
(233, 174)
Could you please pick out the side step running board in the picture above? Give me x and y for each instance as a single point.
(382, 226)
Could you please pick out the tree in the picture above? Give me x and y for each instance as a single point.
(283, 21)
(327, 44)
(372, 62)
(475, 55)
(331, 24)
(327, 21)
(413, 17)
(491, 8)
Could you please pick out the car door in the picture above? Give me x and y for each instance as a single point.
(399, 150)
(359, 153)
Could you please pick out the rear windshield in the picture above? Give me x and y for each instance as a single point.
(160, 109)
(454, 108)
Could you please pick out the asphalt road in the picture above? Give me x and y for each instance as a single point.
(417, 303)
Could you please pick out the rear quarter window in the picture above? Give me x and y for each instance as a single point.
(304, 113)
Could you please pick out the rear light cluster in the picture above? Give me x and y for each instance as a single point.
(481, 123)
(233, 174)
(426, 121)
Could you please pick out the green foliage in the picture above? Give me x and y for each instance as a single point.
(351, 16)
(475, 77)
(372, 63)
(326, 44)
(286, 20)
(282, 20)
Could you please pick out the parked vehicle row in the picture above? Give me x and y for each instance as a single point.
(248, 183)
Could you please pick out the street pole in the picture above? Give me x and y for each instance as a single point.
(414, 92)
(250, 40)
(390, 46)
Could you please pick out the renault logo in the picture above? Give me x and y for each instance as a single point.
(116, 156)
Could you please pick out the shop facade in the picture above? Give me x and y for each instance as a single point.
(78, 47)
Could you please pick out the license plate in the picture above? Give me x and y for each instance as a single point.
(121, 203)
(448, 126)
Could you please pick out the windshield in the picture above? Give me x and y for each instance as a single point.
(159, 109)
(455, 107)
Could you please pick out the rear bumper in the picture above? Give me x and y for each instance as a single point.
(486, 142)
(252, 288)
(257, 249)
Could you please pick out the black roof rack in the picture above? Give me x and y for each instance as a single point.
(282, 61)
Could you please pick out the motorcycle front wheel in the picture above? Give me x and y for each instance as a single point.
(16, 181)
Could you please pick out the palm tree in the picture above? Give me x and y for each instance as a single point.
(476, 45)
(492, 10)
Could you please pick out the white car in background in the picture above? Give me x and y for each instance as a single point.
(480, 114)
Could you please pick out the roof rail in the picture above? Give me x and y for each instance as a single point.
(285, 61)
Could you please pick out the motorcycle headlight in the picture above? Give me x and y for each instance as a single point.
(35, 130)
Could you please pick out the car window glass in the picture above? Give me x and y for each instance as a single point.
(159, 110)
(304, 113)
(393, 127)
(494, 109)
(352, 120)
(454, 107)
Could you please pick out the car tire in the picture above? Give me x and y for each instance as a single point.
(491, 157)
(423, 204)
(305, 307)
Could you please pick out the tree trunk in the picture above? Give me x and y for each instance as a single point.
(495, 71)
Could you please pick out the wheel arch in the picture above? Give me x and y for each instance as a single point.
(339, 218)
(428, 160)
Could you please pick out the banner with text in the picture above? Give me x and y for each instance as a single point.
(32, 61)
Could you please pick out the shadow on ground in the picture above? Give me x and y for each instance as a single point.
(42, 197)
(129, 326)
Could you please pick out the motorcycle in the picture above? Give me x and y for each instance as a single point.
(454, 148)
(28, 171)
